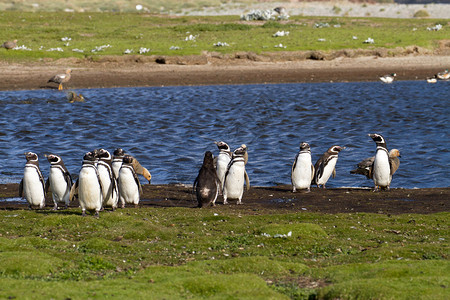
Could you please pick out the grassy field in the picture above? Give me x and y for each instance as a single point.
(161, 35)
(222, 253)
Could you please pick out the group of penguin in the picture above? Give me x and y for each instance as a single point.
(226, 173)
(110, 181)
(103, 181)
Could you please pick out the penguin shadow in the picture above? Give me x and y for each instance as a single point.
(68, 212)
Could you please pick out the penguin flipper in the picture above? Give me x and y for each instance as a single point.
(136, 179)
(47, 186)
(294, 164)
(247, 180)
(312, 172)
(195, 184)
(21, 188)
(334, 173)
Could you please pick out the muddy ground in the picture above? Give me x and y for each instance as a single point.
(280, 199)
(238, 68)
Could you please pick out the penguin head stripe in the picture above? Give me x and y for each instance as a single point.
(89, 156)
(304, 146)
(377, 138)
(127, 159)
(104, 154)
(335, 149)
(53, 159)
(240, 151)
(222, 146)
(119, 152)
(30, 156)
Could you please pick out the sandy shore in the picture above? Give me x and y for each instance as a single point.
(242, 68)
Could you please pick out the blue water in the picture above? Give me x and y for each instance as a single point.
(168, 129)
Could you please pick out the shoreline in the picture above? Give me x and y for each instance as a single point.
(281, 199)
(242, 68)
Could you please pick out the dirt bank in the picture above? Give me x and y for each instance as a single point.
(280, 199)
(209, 69)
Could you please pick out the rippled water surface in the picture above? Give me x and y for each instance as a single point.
(169, 128)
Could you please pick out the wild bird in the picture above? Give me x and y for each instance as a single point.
(247, 179)
(110, 188)
(31, 186)
(117, 159)
(222, 160)
(59, 181)
(88, 187)
(326, 166)
(73, 97)
(381, 167)
(207, 184)
(8, 45)
(280, 10)
(61, 78)
(302, 172)
(233, 186)
(443, 75)
(432, 79)
(365, 166)
(388, 78)
(129, 186)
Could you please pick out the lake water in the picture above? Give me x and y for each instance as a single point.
(168, 129)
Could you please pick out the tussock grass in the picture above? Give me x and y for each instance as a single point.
(222, 253)
(43, 31)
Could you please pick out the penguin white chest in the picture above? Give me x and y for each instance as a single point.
(234, 181)
(89, 191)
(327, 171)
(302, 173)
(221, 168)
(116, 164)
(381, 169)
(59, 186)
(103, 172)
(128, 189)
(32, 187)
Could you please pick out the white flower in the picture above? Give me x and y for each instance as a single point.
(139, 7)
(77, 50)
(280, 46)
(100, 48)
(369, 41)
(355, 37)
(59, 49)
(23, 47)
(66, 39)
(190, 38)
(128, 51)
(174, 48)
(435, 28)
(321, 40)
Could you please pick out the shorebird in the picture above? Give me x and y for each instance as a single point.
(60, 79)
(9, 45)
(388, 78)
(443, 75)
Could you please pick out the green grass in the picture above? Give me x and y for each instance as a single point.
(132, 31)
(175, 253)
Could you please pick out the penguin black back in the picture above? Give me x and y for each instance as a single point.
(207, 184)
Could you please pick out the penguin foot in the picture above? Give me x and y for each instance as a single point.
(97, 214)
(55, 207)
(83, 214)
(136, 206)
(225, 202)
(239, 202)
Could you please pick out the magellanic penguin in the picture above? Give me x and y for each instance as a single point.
(108, 181)
(302, 172)
(326, 166)
(88, 186)
(381, 169)
(117, 161)
(222, 160)
(365, 166)
(207, 184)
(388, 78)
(59, 181)
(233, 186)
(129, 185)
(32, 185)
(247, 179)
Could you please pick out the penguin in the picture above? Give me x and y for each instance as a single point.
(59, 181)
(117, 161)
(247, 179)
(233, 186)
(388, 78)
(381, 169)
(207, 184)
(222, 161)
(108, 181)
(302, 172)
(88, 186)
(365, 166)
(326, 166)
(31, 186)
(129, 185)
